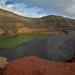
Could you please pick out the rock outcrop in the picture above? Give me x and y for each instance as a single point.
(35, 66)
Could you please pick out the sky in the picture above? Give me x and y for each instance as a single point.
(40, 8)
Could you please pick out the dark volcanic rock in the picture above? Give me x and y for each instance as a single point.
(61, 48)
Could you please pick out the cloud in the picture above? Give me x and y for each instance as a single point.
(70, 10)
(10, 2)
(47, 3)
(67, 7)
(22, 9)
(11, 6)
(39, 8)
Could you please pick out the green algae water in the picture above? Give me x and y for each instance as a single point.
(17, 40)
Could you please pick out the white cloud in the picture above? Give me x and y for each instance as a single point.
(22, 9)
(66, 6)
(38, 8)
(29, 11)
(11, 6)
(69, 11)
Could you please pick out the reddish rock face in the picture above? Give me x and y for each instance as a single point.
(3, 62)
(1, 71)
(36, 66)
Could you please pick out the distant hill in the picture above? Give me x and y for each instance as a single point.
(12, 24)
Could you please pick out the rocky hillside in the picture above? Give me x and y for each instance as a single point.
(13, 24)
(55, 23)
